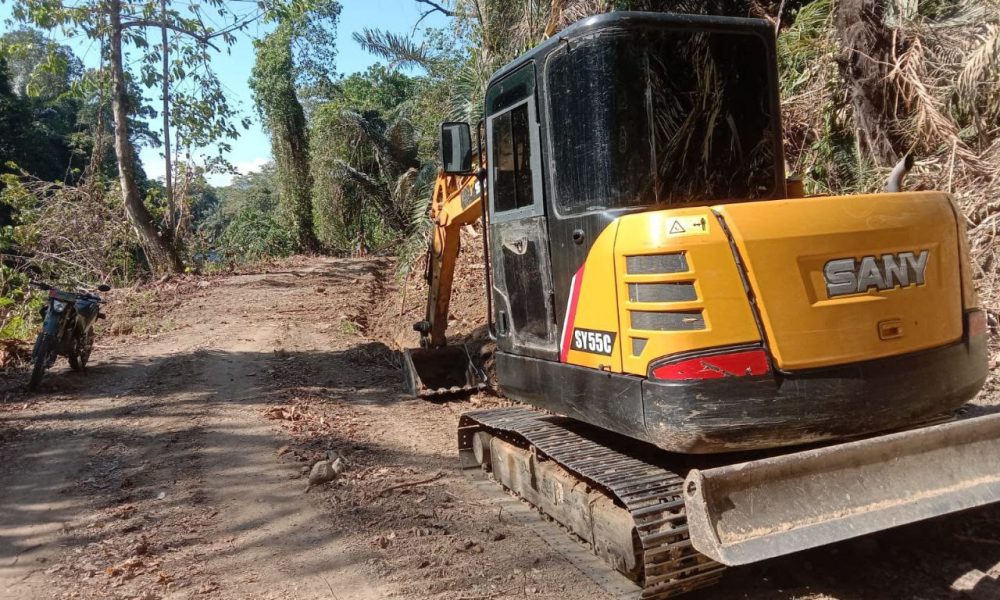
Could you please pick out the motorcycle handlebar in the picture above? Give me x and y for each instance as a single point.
(83, 293)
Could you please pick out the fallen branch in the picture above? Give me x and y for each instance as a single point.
(439, 475)
(492, 594)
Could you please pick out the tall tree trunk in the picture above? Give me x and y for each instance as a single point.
(866, 53)
(168, 177)
(160, 251)
(273, 84)
(295, 176)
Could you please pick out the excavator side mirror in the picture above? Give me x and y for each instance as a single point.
(456, 148)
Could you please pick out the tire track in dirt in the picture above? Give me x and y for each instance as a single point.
(155, 476)
(273, 538)
(49, 470)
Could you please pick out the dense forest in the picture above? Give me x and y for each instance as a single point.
(863, 82)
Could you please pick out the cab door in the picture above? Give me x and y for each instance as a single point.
(522, 278)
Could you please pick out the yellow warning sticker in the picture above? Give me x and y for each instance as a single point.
(687, 226)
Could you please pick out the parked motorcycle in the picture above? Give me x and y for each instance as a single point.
(67, 329)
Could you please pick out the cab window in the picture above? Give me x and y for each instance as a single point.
(512, 187)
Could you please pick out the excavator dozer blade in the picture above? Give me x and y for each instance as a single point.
(438, 371)
(756, 510)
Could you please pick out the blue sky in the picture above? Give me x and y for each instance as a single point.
(253, 147)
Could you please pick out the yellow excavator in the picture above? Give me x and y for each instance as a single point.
(712, 368)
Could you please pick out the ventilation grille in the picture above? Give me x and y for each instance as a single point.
(656, 264)
(638, 345)
(667, 321)
(661, 292)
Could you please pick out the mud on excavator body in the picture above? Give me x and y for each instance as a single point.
(650, 275)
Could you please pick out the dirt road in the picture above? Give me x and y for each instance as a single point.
(175, 469)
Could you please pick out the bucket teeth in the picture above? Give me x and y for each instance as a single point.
(444, 371)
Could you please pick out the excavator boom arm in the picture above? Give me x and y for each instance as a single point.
(457, 201)
(436, 368)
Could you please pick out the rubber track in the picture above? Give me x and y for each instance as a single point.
(654, 496)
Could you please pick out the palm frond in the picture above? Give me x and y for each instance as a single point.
(365, 182)
(401, 138)
(399, 50)
(365, 134)
(417, 202)
(981, 72)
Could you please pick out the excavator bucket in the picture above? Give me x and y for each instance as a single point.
(446, 370)
(752, 511)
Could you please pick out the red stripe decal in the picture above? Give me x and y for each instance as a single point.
(574, 296)
(736, 364)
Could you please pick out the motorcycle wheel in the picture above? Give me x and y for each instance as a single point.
(40, 355)
(88, 347)
(73, 355)
(79, 354)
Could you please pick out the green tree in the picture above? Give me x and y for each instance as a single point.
(273, 85)
(379, 89)
(45, 132)
(298, 55)
(38, 66)
(118, 25)
(254, 231)
(14, 116)
(241, 222)
(213, 214)
(371, 186)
